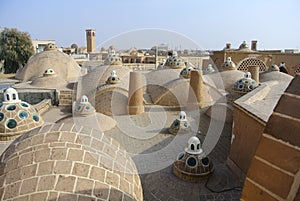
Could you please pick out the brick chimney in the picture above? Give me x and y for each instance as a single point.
(254, 45)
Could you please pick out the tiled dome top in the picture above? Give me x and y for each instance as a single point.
(174, 61)
(245, 84)
(228, 64)
(113, 78)
(193, 164)
(16, 116)
(186, 72)
(84, 107)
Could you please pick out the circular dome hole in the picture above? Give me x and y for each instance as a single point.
(1, 104)
(23, 114)
(176, 123)
(36, 118)
(113, 79)
(191, 161)
(180, 156)
(78, 108)
(205, 161)
(1, 116)
(11, 107)
(11, 124)
(87, 107)
(24, 105)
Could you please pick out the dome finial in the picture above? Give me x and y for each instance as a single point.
(11, 96)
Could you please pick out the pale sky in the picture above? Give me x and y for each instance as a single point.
(209, 23)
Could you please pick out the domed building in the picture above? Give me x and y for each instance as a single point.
(113, 78)
(57, 162)
(180, 125)
(228, 64)
(244, 47)
(50, 79)
(94, 85)
(112, 58)
(186, 72)
(16, 116)
(174, 61)
(245, 84)
(85, 114)
(193, 164)
(273, 74)
(63, 64)
(208, 70)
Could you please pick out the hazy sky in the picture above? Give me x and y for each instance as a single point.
(210, 23)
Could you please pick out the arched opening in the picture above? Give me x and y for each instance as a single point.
(245, 63)
(192, 147)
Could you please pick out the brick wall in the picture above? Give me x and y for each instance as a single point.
(274, 173)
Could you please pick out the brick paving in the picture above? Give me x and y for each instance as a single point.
(161, 183)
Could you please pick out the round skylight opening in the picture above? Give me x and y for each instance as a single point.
(11, 107)
(23, 114)
(191, 162)
(11, 123)
(36, 117)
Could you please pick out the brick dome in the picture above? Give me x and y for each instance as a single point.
(56, 162)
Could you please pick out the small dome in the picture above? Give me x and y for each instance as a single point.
(245, 84)
(274, 67)
(174, 61)
(11, 96)
(228, 64)
(50, 46)
(16, 116)
(180, 125)
(209, 69)
(186, 72)
(84, 99)
(193, 164)
(244, 46)
(49, 72)
(194, 146)
(113, 78)
(182, 116)
(84, 108)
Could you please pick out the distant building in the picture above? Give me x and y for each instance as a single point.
(91, 40)
(39, 45)
(246, 56)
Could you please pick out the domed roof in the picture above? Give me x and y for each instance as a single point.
(58, 163)
(16, 116)
(245, 84)
(244, 47)
(193, 146)
(274, 67)
(50, 79)
(193, 164)
(50, 46)
(273, 74)
(228, 64)
(84, 107)
(112, 58)
(174, 62)
(180, 125)
(61, 63)
(113, 78)
(209, 69)
(186, 72)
